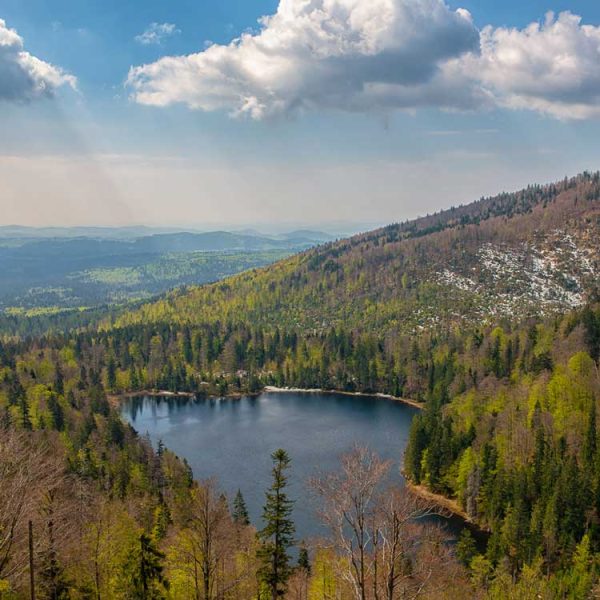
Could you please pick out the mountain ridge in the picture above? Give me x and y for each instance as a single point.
(532, 252)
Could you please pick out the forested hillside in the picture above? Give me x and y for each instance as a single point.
(487, 314)
(528, 253)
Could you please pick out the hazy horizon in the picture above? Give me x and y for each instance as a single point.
(287, 112)
(263, 228)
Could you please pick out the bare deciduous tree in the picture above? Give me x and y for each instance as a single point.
(208, 543)
(405, 559)
(387, 551)
(29, 470)
(349, 509)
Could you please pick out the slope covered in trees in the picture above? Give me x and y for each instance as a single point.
(112, 518)
(521, 254)
(487, 314)
(478, 312)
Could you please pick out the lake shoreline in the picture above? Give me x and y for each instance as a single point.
(269, 389)
(440, 500)
(116, 399)
(452, 506)
(273, 389)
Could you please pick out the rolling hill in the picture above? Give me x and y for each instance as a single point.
(90, 267)
(533, 252)
(487, 314)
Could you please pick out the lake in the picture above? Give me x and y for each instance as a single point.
(232, 439)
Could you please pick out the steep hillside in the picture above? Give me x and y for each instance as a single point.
(515, 255)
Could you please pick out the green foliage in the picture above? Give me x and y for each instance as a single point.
(395, 280)
(136, 276)
(510, 421)
(466, 547)
(240, 510)
(277, 536)
(304, 560)
(144, 572)
(522, 457)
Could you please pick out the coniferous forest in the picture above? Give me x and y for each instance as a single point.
(507, 375)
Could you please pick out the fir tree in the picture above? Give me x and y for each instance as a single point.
(187, 346)
(53, 580)
(111, 375)
(58, 418)
(59, 382)
(590, 441)
(466, 548)
(146, 571)
(304, 561)
(240, 510)
(278, 534)
(25, 419)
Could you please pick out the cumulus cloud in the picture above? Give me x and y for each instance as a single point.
(553, 67)
(156, 33)
(383, 55)
(340, 54)
(24, 77)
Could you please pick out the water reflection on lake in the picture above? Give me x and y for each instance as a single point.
(232, 439)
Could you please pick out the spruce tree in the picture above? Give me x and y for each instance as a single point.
(466, 547)
(304, 561)
(277, 537)
(240, 510)
(53, 580)
(147, 571)
(111, 374)
(590, 441)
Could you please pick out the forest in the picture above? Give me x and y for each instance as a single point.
(508, 430)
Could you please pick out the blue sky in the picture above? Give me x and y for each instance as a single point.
(153, 152)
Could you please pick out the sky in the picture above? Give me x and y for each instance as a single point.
(213, 113)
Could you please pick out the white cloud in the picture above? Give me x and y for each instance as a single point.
(553, 68)
(24, 77)
(378, 55)
(156, 33)
(339, 54)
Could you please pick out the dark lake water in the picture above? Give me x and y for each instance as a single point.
(232, 439)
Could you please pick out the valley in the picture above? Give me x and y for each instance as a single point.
(485, 316)
(84, 268)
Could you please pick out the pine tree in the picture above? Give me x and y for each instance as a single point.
(59, 382)
(188, 354)
(240, 510)
(466, 547)
(53, 580)
(58, 418)
(25, 419)
(278, 534)
(304, 561)
(590, 441)
(111, 375)
(146, 571)
(134, 380)
(414, 450)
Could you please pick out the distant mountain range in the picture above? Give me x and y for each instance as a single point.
(24, 232)
(72, 267)
(20, 232)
